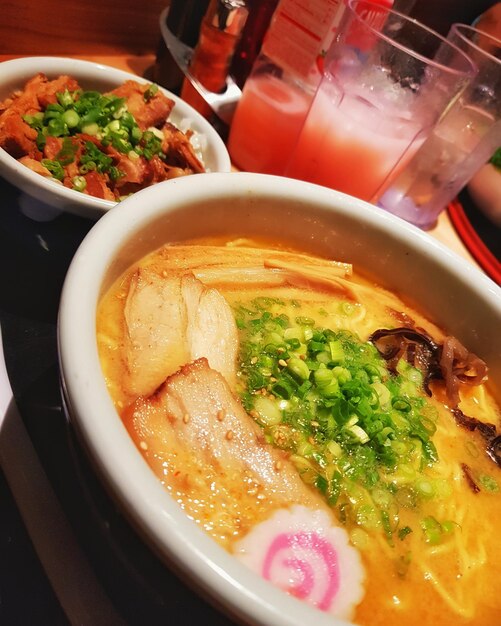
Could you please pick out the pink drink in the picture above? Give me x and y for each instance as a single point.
(380, 94)
(354, 145)
(267, 122)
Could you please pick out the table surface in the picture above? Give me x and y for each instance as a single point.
(100, 571)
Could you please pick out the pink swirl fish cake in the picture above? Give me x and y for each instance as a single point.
(300, 551)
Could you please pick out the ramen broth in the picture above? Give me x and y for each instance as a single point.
(426, 529)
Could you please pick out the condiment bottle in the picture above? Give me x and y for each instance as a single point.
(277, 95)
(183, 20)
(220, 31)
(249, 46)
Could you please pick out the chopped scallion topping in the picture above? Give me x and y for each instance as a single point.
(150, 92)
(358, 433)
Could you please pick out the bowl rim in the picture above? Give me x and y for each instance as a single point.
(49, 191)
(158, 517)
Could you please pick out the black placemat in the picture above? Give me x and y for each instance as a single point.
(34, 258)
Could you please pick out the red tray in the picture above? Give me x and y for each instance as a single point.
(482, 254)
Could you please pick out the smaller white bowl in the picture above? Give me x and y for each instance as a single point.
(15, 73)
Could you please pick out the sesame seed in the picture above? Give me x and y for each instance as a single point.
(254, 360)
(278, 466)
(220, 415)
(229, 435)
(143, 445)
(186, 418)
(282, 362)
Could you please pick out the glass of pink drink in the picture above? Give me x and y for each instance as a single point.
(266, 124)
(387, 79)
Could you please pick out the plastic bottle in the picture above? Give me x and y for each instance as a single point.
(183, 20)
(220, 31)
(277, 95)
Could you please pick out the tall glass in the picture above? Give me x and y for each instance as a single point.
(387, 78)
(463, 140)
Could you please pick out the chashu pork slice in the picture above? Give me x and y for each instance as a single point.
(155, 320)
(172, 319)
(211, 331)
(211, 455)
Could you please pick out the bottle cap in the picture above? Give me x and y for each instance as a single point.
(228, 16)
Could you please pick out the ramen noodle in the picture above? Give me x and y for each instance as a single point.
(317, 427)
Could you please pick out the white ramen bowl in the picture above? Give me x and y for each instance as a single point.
(15, 73)
(451, 291)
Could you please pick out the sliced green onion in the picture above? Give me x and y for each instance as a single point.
(471, 448)
(114, 126)
(367, 516)
(79, 183)
(65, 98)
(71, 118)
(403, 532)
(347, 308)
(358, 433)
(305, 321)
(448, 527)
(401, 404)
(90, 166)
(298, 368)
(336, 351)
(156, 132)
(54, 167)
(406, 498)
(360, 538)
(91, 129)
(150, 92)
(488, 483)
(283, 389)
(119, 113)
(334, 448)
(323, 377)
(432, 530)
(268, 411)
(424, 488)
(57, 127)
(341, 374)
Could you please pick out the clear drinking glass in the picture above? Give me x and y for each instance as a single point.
(462, 141)
(386, 80)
